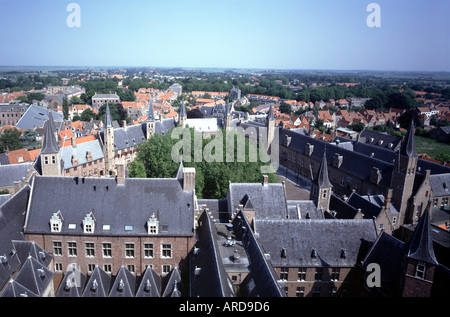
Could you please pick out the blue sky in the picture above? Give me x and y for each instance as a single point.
(283, 34)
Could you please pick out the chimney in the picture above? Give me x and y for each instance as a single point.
(265, 180)
(120, 178)
(16, 186)
(387, 200)
(74, 141)
(74, 160)
(229, 230)
(188, 178)
(124, 124)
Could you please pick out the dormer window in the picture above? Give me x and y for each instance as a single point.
(152, 225)
(56, 222)
(89, 223)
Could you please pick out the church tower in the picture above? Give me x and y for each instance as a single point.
(228, 116)
(150, 120)
(183, 115)
(321, 186)
(270, 126)
(404, 171)
(420, 260)
(50, 157)
(108, 139)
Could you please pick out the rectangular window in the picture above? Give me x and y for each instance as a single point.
(316, 291)
(335, 273)
(58, 267)
(53, 159)
(131, 268)
(91, 268)
(148, 250)
(107, 268)
(90, 251)
(318, 274)
(284, 273)
(46, 160)
(165, 269)
(166, 250)
(301, 274)
(72, 248)
(57, 248)
(420, 270)
(129, 250)
(300, 292)
(107, 250)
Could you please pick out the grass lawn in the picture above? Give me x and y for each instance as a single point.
(431, 146)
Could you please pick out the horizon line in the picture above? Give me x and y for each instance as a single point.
(225, 68)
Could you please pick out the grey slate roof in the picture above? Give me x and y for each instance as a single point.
(98, 285)
(269, 201)
(34, 276)
(183, 110)
(307, 209)
(105, 96)
(15, 289)
(173, 286)
(329, 238)
(162, 127)
(25, 248)
(14, 172)
(361, 170)
(440, 185)
(212, 280)
(150, 284)
(35, 116)
(370, 206)
(408, 147)
(420, 247)
(124, 284)
(125, 208)
(151, 111)
(378, 139)
(50, 144)
(72, 284)
(262, 280)
(108, 119)
(11, 224)
(321, 178)
(81, 153)
(388, 252)
(389, 156)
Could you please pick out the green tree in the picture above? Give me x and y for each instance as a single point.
(87, 115)
(285, 108)
(10, 140)
(154, 159)
(75, 100)
(65, 108)
(29, 140)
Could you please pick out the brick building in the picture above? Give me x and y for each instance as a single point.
(113, 221)
(10, 114)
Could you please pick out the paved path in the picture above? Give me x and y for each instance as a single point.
(296, 188)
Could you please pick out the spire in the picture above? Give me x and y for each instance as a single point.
(183, 110)
(151, 112)
(408, 147)
(108, 122)
(270, 113)
(50, 145)
(420, 247)
(322, 176)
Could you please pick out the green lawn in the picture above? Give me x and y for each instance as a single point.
(431, 146)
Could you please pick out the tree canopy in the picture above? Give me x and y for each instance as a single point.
(154, 159)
